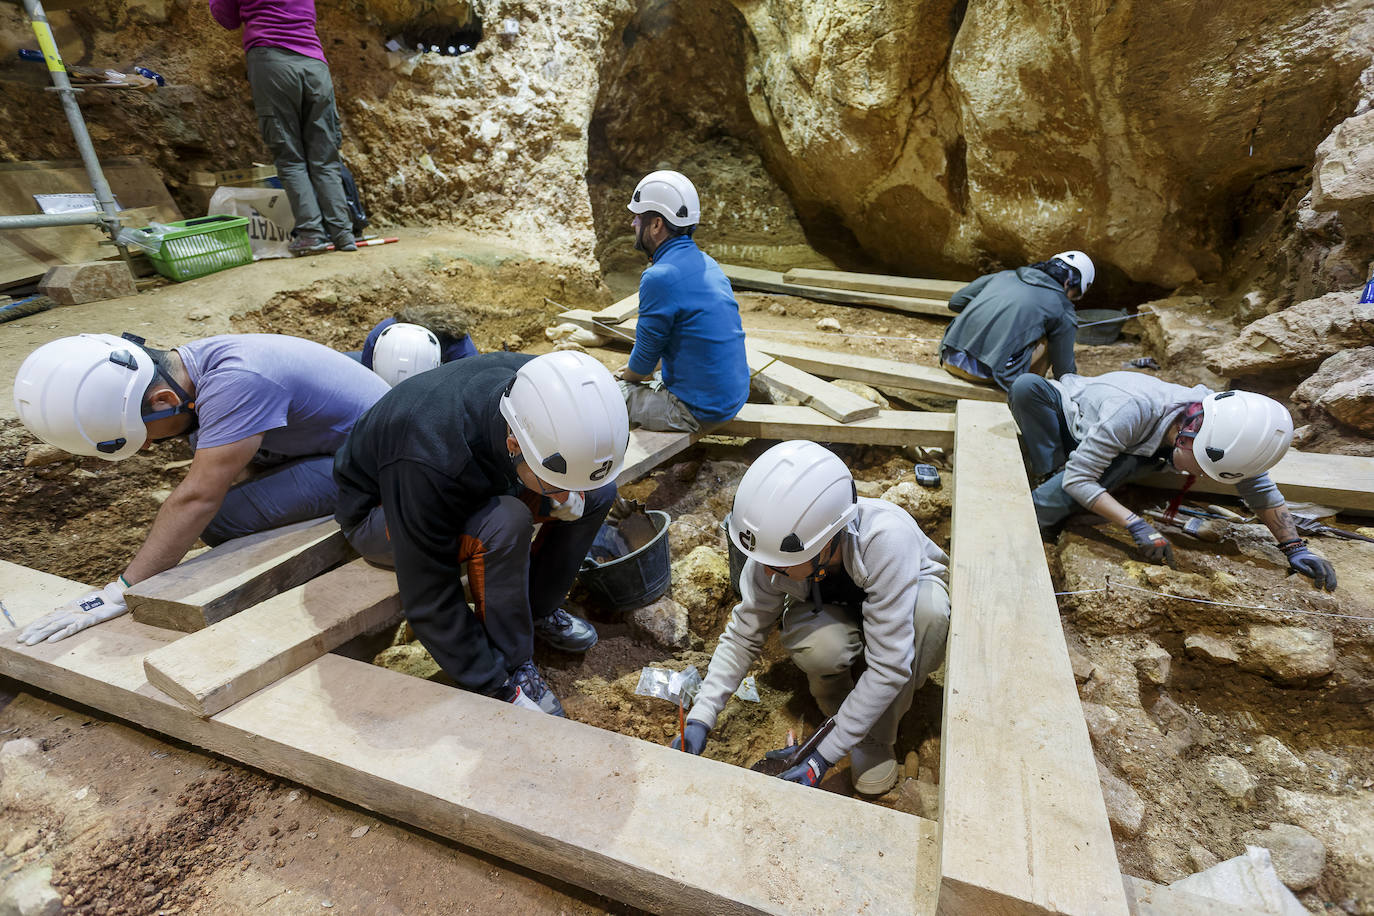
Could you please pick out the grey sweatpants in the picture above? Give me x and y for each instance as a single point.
(652, 406)
(287, 493)
(1039, 413)
(826, 644)
(293, 96)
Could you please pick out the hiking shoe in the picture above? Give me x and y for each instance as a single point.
(307, 244)
(564, 631)
(527, 688)
(345, 242)
(873, 768)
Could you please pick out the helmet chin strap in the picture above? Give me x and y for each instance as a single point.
(818, 572)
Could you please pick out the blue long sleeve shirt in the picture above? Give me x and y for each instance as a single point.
(689, 320)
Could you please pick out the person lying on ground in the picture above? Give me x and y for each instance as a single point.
(845, 578)
(418, 338)
(688, 318)
(264, 414)
(1088, 435)
(451, 472)
(1017, 321)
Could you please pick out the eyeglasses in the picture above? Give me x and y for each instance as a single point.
(539, 487)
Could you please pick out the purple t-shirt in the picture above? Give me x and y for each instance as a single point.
(303, 396)
(288, 24)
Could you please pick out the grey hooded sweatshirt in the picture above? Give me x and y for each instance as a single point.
(1128, 413)
(1002, 315)
(887, 555)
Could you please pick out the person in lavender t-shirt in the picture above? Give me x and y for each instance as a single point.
(265, 413)
(293, 95)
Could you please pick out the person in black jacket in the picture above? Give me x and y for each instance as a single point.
(452, 469)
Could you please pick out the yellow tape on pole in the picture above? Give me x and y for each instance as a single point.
(45, 41)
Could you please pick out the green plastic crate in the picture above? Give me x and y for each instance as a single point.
(198, 247)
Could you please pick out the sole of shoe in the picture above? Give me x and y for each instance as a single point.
(877, 780)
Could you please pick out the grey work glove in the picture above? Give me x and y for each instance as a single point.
(1152, 545)
(696, 733)
(1301, 560)
(75, 616)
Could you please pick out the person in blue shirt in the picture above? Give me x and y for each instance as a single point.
(446, 323)
(688, 319)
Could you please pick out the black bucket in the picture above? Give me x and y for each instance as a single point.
(737, 557)
(636, 579)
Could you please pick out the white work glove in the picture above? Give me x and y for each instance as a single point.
(75, 616)
(570, 509)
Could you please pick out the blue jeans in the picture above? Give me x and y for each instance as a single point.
(287, 493)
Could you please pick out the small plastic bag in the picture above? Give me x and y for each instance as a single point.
(748, 690)
(677, 687)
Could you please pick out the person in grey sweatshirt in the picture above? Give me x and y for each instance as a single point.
(1017, 321)
(844, 578)
(1088, 435)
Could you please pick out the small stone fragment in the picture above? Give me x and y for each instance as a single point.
(665, 622)
(359, 832)
(1298, 856)
(1154, 665)
(827, 324)
(1210, 648)
(1125, 810)
(1201, 857)
(39, 455)
(1233, 779)
(1288, 654)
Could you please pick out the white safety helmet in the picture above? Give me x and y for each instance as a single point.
(1243, 434)
(404, 350)
(569, 417)
(791, 502)
(1081, 263)
(84, 395)
(669, 194)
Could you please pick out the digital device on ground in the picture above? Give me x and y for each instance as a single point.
(927, 475)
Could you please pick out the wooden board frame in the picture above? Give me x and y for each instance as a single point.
(770, 281)
(875, 283)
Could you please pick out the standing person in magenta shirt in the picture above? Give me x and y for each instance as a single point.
(293, 95)
(688, 319)
(264, 412)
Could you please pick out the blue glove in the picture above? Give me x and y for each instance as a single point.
(696, 738)
(1152, 545)
(809, 772)
(1302, 560)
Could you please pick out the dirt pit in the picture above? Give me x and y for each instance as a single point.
(1159, 729)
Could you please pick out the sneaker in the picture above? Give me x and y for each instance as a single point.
(531, 691)
(307, 244)
(873, 768)
(564, 631)
(345, 242)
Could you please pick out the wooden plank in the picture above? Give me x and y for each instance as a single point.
(1340, 481)
(648, 449)
(770, 281)
(889, 427)
(238, 574)
(874, 283)
(28, 253)
(1022, 820)
(833, 401)
(214, 668)
(622, 310)
(873, 370)
(233, 176)
(497, 778)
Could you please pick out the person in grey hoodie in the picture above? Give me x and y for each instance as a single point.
(845, 578)
(1088, 435)
(1017, 321)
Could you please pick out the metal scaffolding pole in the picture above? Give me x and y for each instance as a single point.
(108, 215)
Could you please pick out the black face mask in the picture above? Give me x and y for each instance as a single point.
(640, 244)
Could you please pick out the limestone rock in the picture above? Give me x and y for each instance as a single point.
(1301, 335)
(409, 658)
(18, 747)
(89, 281)
(1178, 330)
(1104, 723)
(1345, 824)
(1125, 810)
(827, 324)
(665, 622)
(30, 893)
(40, 455)
(868, 393)
(1298, 856)
(1288, 654)
(1343, 389)
(925, 504)
(1201, 857)
(929, 755)
(1233, 779)
(1343, 175)
(871, 489)
(1082, 666)
(21, 841)
(1276, 757)
(701, 584)
(1211, 648)
(1154, 664)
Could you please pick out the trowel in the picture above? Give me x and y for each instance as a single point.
(776, 766)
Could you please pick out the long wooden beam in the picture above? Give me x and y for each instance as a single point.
(873, 370)
(1339, 481)
(238, 574)
(770, 281)
(889, 427)
(1023, 825)
(624, 309)
(212, 669)
(789, 381)
(655, 828)
(874, 283)
(648, 449)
